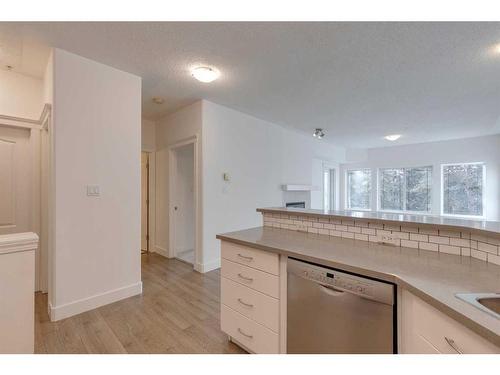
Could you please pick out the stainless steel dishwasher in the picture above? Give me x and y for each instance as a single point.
(329, 311)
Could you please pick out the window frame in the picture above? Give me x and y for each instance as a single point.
(347, 195)
(379, 192)
(483, 200)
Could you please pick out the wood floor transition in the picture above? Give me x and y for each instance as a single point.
(178, 312)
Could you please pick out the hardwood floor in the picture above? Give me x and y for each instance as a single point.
(178, 312)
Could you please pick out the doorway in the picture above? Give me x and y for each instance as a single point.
(144, 202)
(184, 207)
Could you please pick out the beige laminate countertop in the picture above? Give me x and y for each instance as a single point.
(490, 228)
(434, 277)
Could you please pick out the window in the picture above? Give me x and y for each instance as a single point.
(359, 189)
(462, 189)
(328, 188)
(405, 189)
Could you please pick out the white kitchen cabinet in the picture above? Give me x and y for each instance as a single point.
(426, 330)
(251, 308)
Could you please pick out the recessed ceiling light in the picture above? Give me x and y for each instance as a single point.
(496, 48)
(205, 74)
(158, 100)
(393, 137)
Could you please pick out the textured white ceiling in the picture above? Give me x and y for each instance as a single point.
(359, 81)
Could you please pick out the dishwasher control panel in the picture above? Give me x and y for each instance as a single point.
(359, 285)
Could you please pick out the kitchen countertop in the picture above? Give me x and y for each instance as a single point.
(443, 222)
(432, 276)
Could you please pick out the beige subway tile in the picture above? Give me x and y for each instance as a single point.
(409, 229)
(276, 225)
(363, 224)
(354, 229)
(293, 217)
(348, 222)
(428, 246)
(284, 216)
(449, 233)
(329, 226)
(407, 243)
(473, 244)
(307, 224)
(465, 235)
(493, 249)
(375, 225)
(439, 240)
(382, 232)
(392, 227)
(335, 233)
(324, 231)
(347, 235)
(369, 231)
(362, 237)
(465, 251)
(318, 225)
(401, 235)
(373, 238)
(478, 254)
(428, 231)
(459, 242)
(324, 220)
(447, 249)
(494, 259)
(312, 230)
(335, 221)
(419, 237)
(342, 228)
(301, 228)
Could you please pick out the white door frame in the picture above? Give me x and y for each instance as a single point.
(152, 197)
(172, 177)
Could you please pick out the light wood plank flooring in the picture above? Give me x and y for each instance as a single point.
(178, 312)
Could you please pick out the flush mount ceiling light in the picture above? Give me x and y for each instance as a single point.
(318, 133)
(205, 74)
(393, 137)
(158, 100)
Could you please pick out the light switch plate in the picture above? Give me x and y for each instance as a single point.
(93, 191)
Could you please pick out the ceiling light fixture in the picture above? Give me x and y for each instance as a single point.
(205, 74)
(318, 133)
(393, 137)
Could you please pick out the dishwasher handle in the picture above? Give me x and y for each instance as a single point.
(330, 290)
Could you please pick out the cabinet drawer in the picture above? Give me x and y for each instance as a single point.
(255, 279)
(435, 326)
(258, 259)
(254, 336)
(254, 305)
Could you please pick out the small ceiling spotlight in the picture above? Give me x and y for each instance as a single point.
(393, 137)
(318, 133)
(205, 74)
(158, 100)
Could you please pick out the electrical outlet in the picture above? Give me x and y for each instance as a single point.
(388, 239)
(93, 191)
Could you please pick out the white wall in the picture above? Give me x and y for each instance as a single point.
(97, 132)
(177, 127)
(480, 149)
(20, 95)
(148, 135)
(260, 157)
(185, 215)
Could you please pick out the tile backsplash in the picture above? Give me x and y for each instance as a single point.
(411, 236)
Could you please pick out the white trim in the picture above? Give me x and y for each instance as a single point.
(207, 267)
(171, 191)
(21, 122)
(161, 251)
(16, 242)
(90, 303)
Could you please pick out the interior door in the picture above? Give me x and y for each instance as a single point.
(16, 193)
(144, 200)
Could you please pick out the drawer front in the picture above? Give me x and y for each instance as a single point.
(436, 328)
(254, 336)
(254, 305)
(261, 260)
(255, 279)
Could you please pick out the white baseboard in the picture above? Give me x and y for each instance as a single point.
(160, 250)
(90, 303)
(206, 267)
